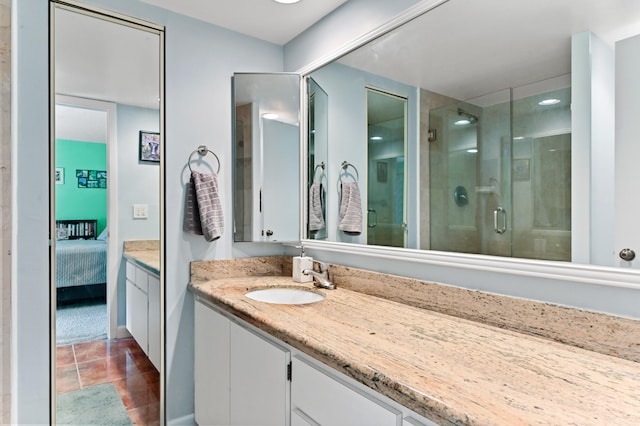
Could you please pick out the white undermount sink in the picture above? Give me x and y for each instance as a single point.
(285, 296)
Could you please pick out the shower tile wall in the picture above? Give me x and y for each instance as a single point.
(5, 210)
(428, 101)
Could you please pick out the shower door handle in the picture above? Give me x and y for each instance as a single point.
(371, 213)
(500, 212)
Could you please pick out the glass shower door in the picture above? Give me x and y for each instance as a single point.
(500, 175)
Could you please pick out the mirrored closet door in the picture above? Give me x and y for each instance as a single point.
(106, 204)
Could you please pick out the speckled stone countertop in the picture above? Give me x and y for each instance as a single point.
(145, 253)
(449, 369)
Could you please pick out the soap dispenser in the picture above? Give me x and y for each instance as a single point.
(300, 263)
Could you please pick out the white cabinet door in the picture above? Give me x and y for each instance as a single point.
(211, 366)
(136, 311)
(259, 384)
(326, 401)
(153, 294)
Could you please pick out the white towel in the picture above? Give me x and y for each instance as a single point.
(316, 208)
(350, 209)
(209, 205)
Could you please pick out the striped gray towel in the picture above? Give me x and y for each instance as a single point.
(316, 208)
(191, 222)
(350, 209)
(209, 206)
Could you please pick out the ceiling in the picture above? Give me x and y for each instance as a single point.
(464, 45)
(466, 49)
(264, 19)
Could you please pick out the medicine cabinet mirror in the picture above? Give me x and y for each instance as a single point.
(266, 151)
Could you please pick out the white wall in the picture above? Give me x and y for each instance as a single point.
(138, 183)
(592, 150)
(280, 185)
(30, 218)
(200, 60)
(627, 147)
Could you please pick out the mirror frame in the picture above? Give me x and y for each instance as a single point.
(578, 274)
(142, 25)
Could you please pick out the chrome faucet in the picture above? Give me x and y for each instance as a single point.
(320, 279)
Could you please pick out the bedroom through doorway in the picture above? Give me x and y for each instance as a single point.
(81, 199)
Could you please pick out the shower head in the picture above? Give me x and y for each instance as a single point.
(473, 119)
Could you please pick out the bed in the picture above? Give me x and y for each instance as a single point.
(81, 257)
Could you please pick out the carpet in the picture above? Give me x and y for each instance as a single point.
(81, 322)
(95, 405)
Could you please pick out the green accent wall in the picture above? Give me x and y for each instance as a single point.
(80, 203)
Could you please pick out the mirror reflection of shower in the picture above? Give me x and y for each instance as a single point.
(465, 118)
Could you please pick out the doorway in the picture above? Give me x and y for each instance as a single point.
(386, 180)
(105, 69)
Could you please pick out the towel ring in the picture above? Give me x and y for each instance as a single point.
(203, 150)
(346, 164)
(315, 170)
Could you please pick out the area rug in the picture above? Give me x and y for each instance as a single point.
(95, 405)
(82, 322)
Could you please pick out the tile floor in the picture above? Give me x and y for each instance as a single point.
(120, 362)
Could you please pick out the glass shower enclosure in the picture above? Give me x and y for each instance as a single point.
(499, 173)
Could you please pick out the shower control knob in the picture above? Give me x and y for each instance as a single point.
(627, 254)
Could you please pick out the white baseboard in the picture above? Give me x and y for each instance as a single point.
(189, 419)
(122, 332)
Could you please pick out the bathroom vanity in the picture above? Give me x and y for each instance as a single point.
(403, 363)
(143, 296)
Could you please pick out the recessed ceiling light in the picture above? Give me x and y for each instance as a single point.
(287, 1)
(270, 116)
(518, 138)
(546, 102)
(462, 122)
(472, 150)
(376, 138)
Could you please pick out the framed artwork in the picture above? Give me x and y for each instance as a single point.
(149, 147)
(521, 169)
(59, 175)
(92, 178)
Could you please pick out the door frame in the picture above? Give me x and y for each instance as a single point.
(112, 203)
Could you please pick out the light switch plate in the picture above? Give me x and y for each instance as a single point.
(140, 211)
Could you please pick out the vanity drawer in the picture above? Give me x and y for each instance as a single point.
(318, 398)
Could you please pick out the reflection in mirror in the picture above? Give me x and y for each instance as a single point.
(318, 140)
(266, 157)
(494, 166)
(386, 151)
(107, 318)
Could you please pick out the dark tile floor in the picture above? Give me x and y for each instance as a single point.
(120, 362)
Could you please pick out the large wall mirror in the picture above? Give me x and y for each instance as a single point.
(266, 150)
(481, 128)
(107, 72)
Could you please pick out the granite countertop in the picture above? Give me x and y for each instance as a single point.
(145, 253)
(449, 369)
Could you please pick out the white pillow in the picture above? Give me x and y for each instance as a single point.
(103, 234)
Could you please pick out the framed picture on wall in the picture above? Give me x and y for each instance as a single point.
(59, 175)
(149, 147)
